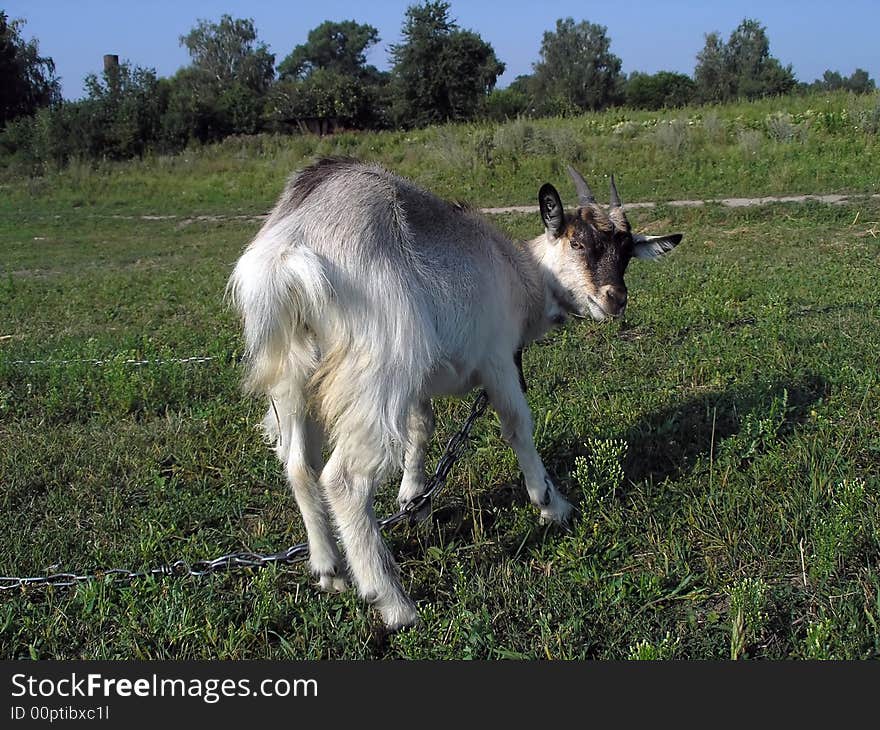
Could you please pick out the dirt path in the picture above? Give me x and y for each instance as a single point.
(833, 199)
(728, 202)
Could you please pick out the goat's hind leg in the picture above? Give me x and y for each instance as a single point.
(420, 427)
(299, 449)
(349, 485)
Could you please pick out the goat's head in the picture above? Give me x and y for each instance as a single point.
(591, 248)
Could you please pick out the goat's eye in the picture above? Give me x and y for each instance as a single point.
(576, 244)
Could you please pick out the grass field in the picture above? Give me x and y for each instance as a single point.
(818, 143)
(722, 445)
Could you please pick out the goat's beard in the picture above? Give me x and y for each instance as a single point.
(596, 311)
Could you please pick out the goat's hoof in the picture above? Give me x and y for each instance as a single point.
(419, 515)
(330, 578)
(398, 614)
(558, 512)
(332, 583)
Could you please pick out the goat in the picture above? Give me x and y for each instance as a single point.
(364, 296)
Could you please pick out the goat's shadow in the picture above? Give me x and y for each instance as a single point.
(665, 443)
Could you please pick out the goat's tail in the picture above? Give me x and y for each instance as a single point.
(278, 287)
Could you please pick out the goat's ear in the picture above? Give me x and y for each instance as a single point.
(653, 247)
(551, 209)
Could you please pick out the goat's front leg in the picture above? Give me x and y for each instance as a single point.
(419, 429)
(503, 385)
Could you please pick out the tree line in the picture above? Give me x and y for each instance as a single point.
(439, 73)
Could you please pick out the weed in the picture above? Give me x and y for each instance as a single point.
(600, 474)
(748, 600)
(672, 136)
(715, 127)
(781, 128)
(818, 640)
(838, 528)
(515, 137)
(750, 142)
(661, 650)
(870, 119)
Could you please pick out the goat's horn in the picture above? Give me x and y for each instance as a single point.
(585, 195)
(615, 198)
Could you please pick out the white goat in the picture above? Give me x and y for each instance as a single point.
(363, 297)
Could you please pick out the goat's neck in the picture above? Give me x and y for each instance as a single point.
(548, 301)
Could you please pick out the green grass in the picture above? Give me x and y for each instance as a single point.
(722, 448)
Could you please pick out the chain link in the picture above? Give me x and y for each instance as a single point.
(289, 556)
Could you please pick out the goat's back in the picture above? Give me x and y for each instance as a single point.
(375, 228)
(386, 282)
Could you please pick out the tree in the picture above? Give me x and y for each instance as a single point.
(338, 47)
(27, 79)
(440, 72)
(228, 52)
(224, 89)
(664, 89)
(200, 109)
(755, 71)
(125, 107)
(712, 77)
(193, 109)
(858, 83)
(326, 82)
(577, 70)
(742, 67)
(830, 81)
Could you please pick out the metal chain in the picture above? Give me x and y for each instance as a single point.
(454, 449)
(128, 361)
(294, 554)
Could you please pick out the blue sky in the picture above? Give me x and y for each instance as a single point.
(648, 36)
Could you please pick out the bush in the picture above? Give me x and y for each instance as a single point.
(504, 104)
(325, 98)
(120, 118)
(53, 136)
(129, 111)
(16, 141)
(659, 91)
(240, 110)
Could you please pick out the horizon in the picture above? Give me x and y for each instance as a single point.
(77, 36)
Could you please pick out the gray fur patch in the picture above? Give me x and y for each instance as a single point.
(309, 179)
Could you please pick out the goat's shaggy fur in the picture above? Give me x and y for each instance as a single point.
(362, 297)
